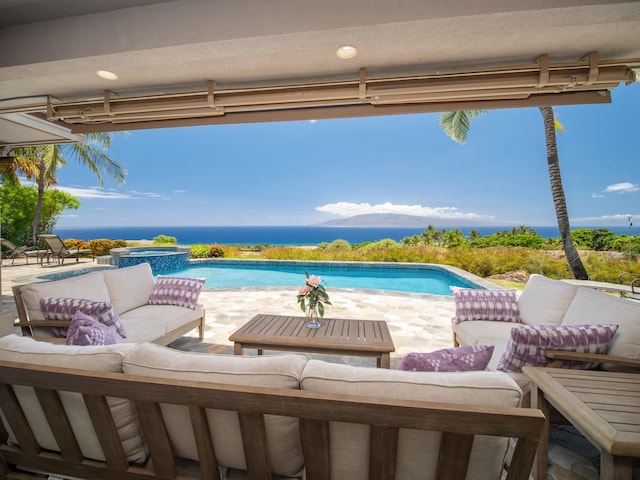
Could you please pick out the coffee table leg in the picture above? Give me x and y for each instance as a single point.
(615, 468)
(384, 360)
(237, 348)
(541, 462)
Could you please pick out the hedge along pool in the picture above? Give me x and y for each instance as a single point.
(404, 277)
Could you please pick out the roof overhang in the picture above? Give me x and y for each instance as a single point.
(195, 62)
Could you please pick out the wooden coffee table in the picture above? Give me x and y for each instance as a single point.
(364, 338)
(603, 406)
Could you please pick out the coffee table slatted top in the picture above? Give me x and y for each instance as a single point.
(335, 336)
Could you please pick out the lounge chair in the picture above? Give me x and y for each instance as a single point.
(57, 249)
(12, 251)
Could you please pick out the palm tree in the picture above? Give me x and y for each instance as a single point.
(40, 163)
(457, 125)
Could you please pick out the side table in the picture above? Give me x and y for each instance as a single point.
(603, 406)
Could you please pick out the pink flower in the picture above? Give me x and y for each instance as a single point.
(305, 290)
(314, 281)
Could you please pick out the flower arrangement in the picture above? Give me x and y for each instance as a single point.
(313, 292)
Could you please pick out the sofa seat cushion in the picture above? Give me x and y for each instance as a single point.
(129, 287)
(469, 333)
(350, 442)
(140, 330)
(150, 322)
(282, 371)
(597, 307)
(108, 358)
(544, 301)
(170, 316)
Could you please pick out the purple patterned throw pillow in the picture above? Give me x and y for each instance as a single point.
(85, 330)
(527, 344)
(55, 308)
(183, 292)
(475, 304)
(458, 359)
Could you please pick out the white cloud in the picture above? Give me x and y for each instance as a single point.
(616, 216)
(101, 193)
(597, 195)
(347, 209)
(623, 187)
(94, 192)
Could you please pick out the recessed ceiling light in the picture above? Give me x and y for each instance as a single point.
(346, 52)
(107, 75)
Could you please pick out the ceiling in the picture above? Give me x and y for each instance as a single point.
(193, 62)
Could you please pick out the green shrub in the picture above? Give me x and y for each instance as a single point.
(165, 240)
(339, 245)
(199, 250)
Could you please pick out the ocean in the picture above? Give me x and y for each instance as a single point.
(306, 235)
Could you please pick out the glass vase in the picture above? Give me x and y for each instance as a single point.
(313, 317)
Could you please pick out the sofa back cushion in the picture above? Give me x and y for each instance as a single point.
(283, 371)
(14, 348)
(89, 286)
(129, 287)
(544, 301)
(350, 442)
(592, 306)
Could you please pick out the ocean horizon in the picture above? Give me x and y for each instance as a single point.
(282, 235)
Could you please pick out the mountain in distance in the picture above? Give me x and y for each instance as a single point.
(398, 220)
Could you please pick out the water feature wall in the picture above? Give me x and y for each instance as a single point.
(162, 260)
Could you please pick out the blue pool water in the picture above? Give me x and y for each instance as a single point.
(430, 279)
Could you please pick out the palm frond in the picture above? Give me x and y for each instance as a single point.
(458, 124)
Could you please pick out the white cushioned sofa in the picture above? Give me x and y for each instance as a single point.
(127, 290)
(548, 302)
(203, 420)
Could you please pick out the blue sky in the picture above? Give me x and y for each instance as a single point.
(302, 173)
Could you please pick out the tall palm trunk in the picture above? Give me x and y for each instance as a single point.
(557, 192)
(35, 226)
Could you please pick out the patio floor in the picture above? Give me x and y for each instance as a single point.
(417, 322)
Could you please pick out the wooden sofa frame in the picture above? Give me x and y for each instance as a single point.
(26, 325)
(459, 424)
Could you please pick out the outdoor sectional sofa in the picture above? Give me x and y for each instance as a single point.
(128, 290)
(546, 302)
(144, 411)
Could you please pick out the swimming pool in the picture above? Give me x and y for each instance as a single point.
(403, 277)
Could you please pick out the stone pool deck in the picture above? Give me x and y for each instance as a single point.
(417, 322)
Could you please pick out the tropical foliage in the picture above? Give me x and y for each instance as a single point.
(40, 164)
(457, 125)
(18, 209)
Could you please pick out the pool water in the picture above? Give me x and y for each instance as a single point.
(405, 279)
